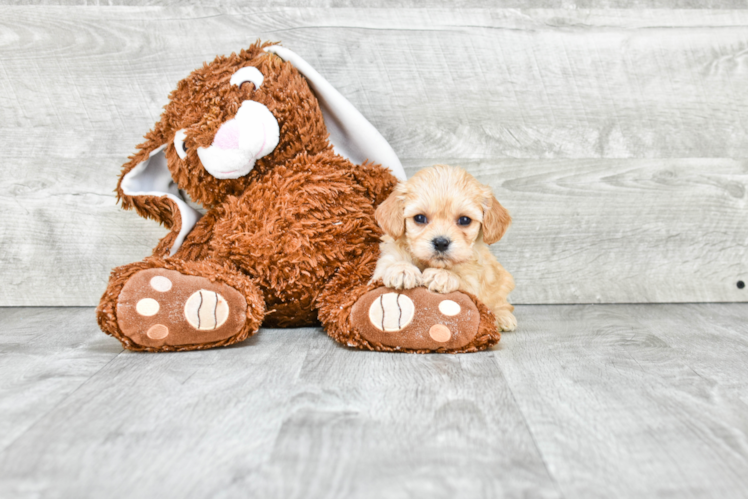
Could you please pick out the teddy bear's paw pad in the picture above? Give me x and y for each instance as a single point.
(416, 319)
(391, 312)
(159, 307)
(206, 310)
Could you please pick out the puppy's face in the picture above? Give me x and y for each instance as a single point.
(441, 212)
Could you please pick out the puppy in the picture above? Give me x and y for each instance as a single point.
(438, 226)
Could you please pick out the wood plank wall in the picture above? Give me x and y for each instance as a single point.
(616, 137)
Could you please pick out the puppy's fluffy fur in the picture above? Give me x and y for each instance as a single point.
(438, 226)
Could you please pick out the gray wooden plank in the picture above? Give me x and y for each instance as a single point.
(64, 233)
(722, 325)
(79, 86)
(582, 401)
(635, 400)
(403, 426)
(475, 83)
(602, 231)
(47, 354)
(422, 4)
(585, 231)
(286, 413)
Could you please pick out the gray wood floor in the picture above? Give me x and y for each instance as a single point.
(583, 400)
(616, 138)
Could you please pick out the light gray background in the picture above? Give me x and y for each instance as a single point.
(616, 136)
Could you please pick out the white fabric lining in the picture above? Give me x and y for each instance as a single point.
(351, 134)
(152, 178)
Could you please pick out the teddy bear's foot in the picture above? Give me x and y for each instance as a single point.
(418, 320)
(159, 308)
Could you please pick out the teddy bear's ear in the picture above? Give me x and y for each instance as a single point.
(351, 135)
(148, 187)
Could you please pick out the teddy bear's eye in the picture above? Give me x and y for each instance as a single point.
(179, 145)
(464, 221)
(420, 219)
(247, 74)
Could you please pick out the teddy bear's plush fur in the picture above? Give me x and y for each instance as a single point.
(296, 236)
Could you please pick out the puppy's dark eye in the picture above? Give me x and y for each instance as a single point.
(464, 221)
(420, 219)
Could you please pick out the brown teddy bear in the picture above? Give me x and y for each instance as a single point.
(281, 167)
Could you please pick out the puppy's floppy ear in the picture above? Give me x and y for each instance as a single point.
(496, 220)
(389, 214)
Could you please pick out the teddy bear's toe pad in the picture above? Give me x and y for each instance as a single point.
(159, 307)
(416, 319)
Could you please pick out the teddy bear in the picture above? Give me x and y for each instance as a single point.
(268, 179)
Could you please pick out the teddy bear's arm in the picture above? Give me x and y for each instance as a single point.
(378, 181)
(197, 244)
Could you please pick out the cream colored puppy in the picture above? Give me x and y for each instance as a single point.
(438, 226)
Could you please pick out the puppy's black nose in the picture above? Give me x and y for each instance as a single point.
(440, 244)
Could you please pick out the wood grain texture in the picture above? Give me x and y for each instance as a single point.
(635, 400)
(599, 231)
(47, 354)
(421, 4)
(287, 413)
(484, 88)
(582, 401)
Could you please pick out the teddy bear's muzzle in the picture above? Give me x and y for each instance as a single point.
(240, 142)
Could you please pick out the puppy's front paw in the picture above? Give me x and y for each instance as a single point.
(402, 276)
(441, 280)
(506, 321)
